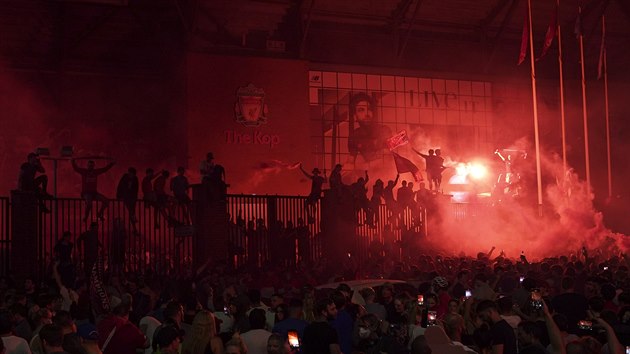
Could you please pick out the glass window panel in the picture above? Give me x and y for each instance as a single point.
(387, 83)
(438, 85)
(344, 80)
(373, 82)
(478, 88)
(330, 79)
(439, 117)
(452, 117)
(426, 116)
(359, 81)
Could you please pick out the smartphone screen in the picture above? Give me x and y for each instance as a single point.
(586, 325)
(432, 318)
(521, 279)
(294, 340)
(420, 300)
(226, 310)
(627, 349)
(468, 294)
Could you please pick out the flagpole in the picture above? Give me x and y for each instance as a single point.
(584, 109)
(562, 115)
(535, 106)
(607, 111)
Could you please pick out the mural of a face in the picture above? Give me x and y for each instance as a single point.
(363, 112)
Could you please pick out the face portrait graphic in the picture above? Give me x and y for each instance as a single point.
(363, 112)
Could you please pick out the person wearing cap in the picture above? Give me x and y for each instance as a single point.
(89, 191)
(27, 182)
(88, 336)
(316, 191)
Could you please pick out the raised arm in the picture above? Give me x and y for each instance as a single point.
(614, 346)
(555, 336)
(419, 153)
(76, 167)
(397, 178)
(106, 168)
(305, 173)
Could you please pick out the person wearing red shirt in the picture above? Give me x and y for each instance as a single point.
(89, 192)
(119, 336)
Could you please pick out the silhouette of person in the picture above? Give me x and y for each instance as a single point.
(432, 167)
(27, 182)
(316, 192)
(127, 191)
(179, 187)
(91, 245)
(213, 177)
(89, 191)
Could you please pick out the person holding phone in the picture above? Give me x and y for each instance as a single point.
(293, 322)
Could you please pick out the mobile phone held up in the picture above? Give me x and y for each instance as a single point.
(468, 294)
(294, 340)
(420, 300)
(585, 325)
(432, 318)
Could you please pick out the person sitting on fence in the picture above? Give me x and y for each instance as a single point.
(179, 187)
(127, 191)
(89, 192)
(27, 182)
(316, 192)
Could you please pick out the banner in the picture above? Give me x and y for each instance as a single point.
(397, 140)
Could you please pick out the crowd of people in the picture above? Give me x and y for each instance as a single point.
(356, 194)
(574, 303)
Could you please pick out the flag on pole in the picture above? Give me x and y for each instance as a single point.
(602, 51)
(551, 32)
(404, 165)
(524, 40)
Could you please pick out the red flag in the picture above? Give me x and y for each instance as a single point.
(551, 32)
(602, 51)
(403, 165)
(524, 40)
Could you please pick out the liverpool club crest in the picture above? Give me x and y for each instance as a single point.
(250, 108)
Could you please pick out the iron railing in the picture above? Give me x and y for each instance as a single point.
(261, 229)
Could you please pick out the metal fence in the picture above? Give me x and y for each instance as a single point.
(152, 242)
(272, 228)
(260, 229)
